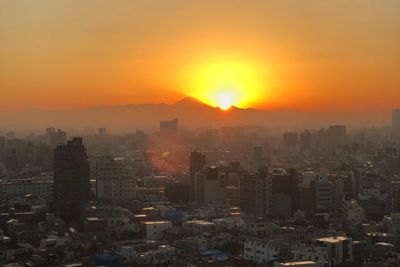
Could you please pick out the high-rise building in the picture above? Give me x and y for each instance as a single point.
(169, 126)
(396, 123)
(285, 192)
(58, 138)
(324, 194)
(197, 161)
(113, 182)
(43, 156)
(102, 132)
(257, 157)
(255, 194)
(305, 141)
(47, 132)
(71, 179)
(3, 148)
(290, 140)
(209, 186)
(395, 185)
(336, 135)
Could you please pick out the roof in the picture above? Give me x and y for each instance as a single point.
(332, 239)
(156, 222)
(297, 263)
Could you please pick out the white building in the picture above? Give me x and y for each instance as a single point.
(154, 230)
(331, 251)
(117, 219)
(113, 182)
(260, 251)
(199, 226)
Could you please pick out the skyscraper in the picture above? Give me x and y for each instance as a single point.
(257, 157)
(2, 148)
(305, 141)
(290, 140)
(197, 161)
(396, 123)
(336, 135)
(71, 179)
(58, 138)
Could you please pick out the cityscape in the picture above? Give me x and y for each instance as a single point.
(200, 133)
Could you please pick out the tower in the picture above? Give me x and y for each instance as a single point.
(396, 123)
(71, 179)
(197, 161)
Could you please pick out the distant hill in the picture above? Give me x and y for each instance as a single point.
(190, 112)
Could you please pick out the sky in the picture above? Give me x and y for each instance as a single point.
(308, 55)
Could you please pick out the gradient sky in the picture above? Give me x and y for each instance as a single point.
(308, 55)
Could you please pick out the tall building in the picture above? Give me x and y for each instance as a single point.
(169, 126)
(3, 148)
(113, 182)
(47, 132)
(336, 135)
(290, 140)
(102, 132)
(285, 192)
(210, 187)
(255, 194)
(325, 194)
(305, 141)
(71, 179)
(257, 157)
(43, 156)
(58, 138)
(396, 123)
(395, 186)
(197, 161)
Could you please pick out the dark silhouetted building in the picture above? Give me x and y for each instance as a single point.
(3, 148)
(197, 161)
(396, 123)
(290, 140)
(169, 126)
(178, 193)
(71, 179)
(336, 135)
(257, 157)
(305, 141)
(286, 196)
(58, 138)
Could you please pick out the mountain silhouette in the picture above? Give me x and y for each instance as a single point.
(191, 113)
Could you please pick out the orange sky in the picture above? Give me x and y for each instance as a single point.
(308, 55)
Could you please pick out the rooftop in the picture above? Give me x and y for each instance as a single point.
(297, 263)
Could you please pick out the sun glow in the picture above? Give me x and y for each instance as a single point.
(226, 84)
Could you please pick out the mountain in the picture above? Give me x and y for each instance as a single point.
(191, 114)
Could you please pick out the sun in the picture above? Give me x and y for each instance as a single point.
(225, 99)
(225, 84)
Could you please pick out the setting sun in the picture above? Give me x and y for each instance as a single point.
(225, 100)
(225, 84)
